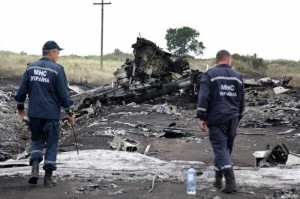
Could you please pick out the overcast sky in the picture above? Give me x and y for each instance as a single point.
(269, 28)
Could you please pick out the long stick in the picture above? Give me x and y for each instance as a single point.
(75, 138)
(152, 184)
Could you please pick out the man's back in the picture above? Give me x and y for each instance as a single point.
(46, 85)
(225, 93)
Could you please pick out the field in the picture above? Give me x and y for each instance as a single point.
(87, 68)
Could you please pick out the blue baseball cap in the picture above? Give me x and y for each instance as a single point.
(49, 45)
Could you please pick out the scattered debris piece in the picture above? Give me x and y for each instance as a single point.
(147, 149)
(259, 156)
(280, 89)
(172, 132)
(152, 186)
(286, 193)
(293, 159)
(120, 144)
(4, 156)
(94, 187)
(23, 155)
(278, 155)
(117, 192)
(287, 132)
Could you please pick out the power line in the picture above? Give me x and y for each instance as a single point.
(102, 16)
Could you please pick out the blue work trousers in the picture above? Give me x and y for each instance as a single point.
(44, 134)
(222, 137)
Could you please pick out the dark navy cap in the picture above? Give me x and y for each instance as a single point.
(51, 45)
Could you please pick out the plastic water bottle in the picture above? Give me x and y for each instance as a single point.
(191, 181)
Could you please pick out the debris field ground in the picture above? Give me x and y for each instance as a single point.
(100, 172)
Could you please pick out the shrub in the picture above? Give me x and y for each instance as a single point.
(252, 61)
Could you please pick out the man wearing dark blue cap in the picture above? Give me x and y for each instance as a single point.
(45, 83)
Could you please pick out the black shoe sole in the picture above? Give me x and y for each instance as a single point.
(33, 180)
(229, 191)
(218, 186)
(49, 185)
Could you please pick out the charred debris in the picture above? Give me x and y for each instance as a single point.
(152, 73)
(271, 102)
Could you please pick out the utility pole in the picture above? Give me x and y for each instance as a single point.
(102, 11)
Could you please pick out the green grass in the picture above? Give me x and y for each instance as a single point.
(77, 68)
(13, 64)
(278, 70)
(87, 68)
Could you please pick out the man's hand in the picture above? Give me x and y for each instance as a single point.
(72, 119)
(202, 126)
(21, 114)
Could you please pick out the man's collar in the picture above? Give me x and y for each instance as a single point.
(223, 65)
(46, 58)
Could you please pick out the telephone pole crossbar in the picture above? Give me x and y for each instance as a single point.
(102, 16)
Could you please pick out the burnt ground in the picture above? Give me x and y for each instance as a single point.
(145, 124)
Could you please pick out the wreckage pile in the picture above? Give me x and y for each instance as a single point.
(13, 136)
(151, 74)
(271, 103)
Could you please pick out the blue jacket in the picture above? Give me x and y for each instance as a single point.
(46, 84)
(221, 95)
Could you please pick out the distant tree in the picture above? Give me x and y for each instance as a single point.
(118, 52)
(182, 41)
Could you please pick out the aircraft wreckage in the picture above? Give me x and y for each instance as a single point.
(152, 73)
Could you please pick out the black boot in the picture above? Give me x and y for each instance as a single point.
(230, 185)
(34, 172)
(218, 179)
(48, 181)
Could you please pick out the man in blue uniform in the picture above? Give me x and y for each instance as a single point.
(221, 104)
(45, 83)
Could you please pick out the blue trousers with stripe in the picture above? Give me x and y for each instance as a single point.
(44, 134)
(222, 137)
